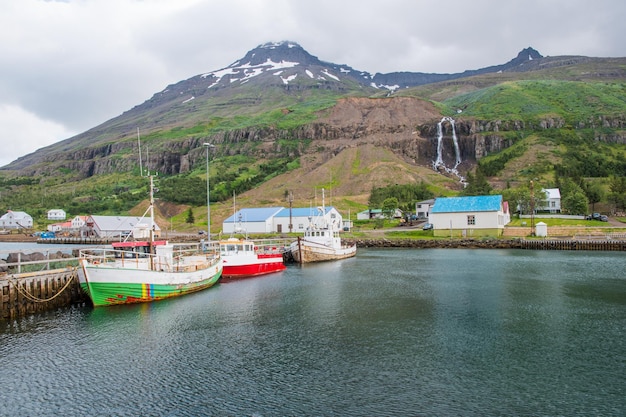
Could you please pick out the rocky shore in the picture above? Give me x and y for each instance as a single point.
(436, 243)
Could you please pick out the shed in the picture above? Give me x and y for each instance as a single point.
(541, 229)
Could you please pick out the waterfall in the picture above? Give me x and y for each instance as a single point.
(438, 164)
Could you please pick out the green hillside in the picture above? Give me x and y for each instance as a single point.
(574, 101)
(565, 133)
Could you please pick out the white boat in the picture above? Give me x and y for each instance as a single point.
(320, 242)
(146, 270)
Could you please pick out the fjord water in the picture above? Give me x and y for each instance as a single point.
(390, 332)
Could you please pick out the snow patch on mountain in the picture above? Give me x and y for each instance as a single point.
(246, 71)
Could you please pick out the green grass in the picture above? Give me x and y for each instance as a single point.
(558, 222)
(539, 99)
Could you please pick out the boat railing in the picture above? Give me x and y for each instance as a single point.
(261, 246)
(184, 257)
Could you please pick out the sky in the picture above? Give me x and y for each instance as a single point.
(69, 65)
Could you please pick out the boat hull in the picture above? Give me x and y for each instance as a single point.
(234, 269)
(304, 251)
(244, 258)
(109, 285)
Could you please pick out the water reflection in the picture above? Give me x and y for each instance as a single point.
(389, 332)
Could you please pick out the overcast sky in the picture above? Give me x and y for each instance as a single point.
(67, 66)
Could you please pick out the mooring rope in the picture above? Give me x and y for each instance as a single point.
(22, 289)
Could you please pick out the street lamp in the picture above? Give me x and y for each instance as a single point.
(208, 201)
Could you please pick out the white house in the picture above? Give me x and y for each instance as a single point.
(469, 216)
(552, 202)
(251, 220)
(278, 219)
(16, 220)
(118, 227)
(78, 222)
(422, 208)
(301, 217)
(56, 214)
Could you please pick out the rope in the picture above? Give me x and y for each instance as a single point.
(22, 289)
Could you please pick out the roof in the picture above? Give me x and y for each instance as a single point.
(552, 193)
(374, 211)
(302, 212)
(431, 201)
(120, 223)
(16, 214)
(253, 215)
(467, 204)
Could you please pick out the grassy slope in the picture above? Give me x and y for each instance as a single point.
(572, 101)
(527, 100)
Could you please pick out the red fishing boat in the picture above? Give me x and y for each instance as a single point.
(246, 258)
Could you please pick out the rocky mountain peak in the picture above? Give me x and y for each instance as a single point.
(284, 51)
(524, 56)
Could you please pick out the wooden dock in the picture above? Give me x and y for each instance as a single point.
(29, 293)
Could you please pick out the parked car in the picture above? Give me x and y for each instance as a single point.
(604, 218)
(427, 226)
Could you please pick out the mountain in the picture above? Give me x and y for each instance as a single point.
(271, 75)
(283, 119)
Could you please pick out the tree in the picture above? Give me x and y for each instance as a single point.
(477, 184)
(572, 197)
(390, 206)
(617, 195)
(190, 219)
(407, 195)
(575, 203)
(594, 193)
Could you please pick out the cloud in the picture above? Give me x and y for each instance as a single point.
(23, 132)
(78, 63)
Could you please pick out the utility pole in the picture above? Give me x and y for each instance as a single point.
(290, 197)
(208, 200)
(532, 208)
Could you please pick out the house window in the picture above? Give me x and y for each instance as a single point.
(553, 204)
(471, 220)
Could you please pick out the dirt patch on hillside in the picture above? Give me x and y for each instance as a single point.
(351, 174)
(373, 112)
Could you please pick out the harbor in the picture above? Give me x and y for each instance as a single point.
(51, 281)
(399, 331)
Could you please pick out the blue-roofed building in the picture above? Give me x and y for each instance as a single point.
(251, 220)
(469, 216)
(277, 220)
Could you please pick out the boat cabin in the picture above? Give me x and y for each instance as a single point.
(235, 246)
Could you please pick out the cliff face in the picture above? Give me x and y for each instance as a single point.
(407, 126)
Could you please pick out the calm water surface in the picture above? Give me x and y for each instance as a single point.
(390, 332)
